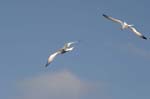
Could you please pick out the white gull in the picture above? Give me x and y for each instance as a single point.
(126, 26)
(66, 48)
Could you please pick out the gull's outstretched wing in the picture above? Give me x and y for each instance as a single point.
(51, 57)
(113, 19)
(137, 33)
(69, 49)
(67, 45)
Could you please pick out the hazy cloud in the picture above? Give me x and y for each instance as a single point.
(138, 50)
(58, 85)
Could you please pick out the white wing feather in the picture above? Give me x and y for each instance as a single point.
(69, 49)
(67, 45)
(113, 19)
(137, 32)
(51, 57)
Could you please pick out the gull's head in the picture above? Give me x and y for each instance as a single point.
(126, 25)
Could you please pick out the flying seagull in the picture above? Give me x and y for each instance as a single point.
(125, 26)
(66, 48)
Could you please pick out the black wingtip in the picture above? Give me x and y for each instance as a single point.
(144, 37)
(46, 65)
(105, 15)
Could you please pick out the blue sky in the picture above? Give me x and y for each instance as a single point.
(115, 62)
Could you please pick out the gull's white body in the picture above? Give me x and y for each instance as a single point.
(125, 26)
(63, 50)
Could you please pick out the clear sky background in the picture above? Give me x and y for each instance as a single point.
(107, 64)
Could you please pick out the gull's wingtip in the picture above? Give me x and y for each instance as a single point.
(143, 37)
(105, 15)
(46, 65)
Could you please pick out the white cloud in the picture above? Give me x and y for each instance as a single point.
(58, 85)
